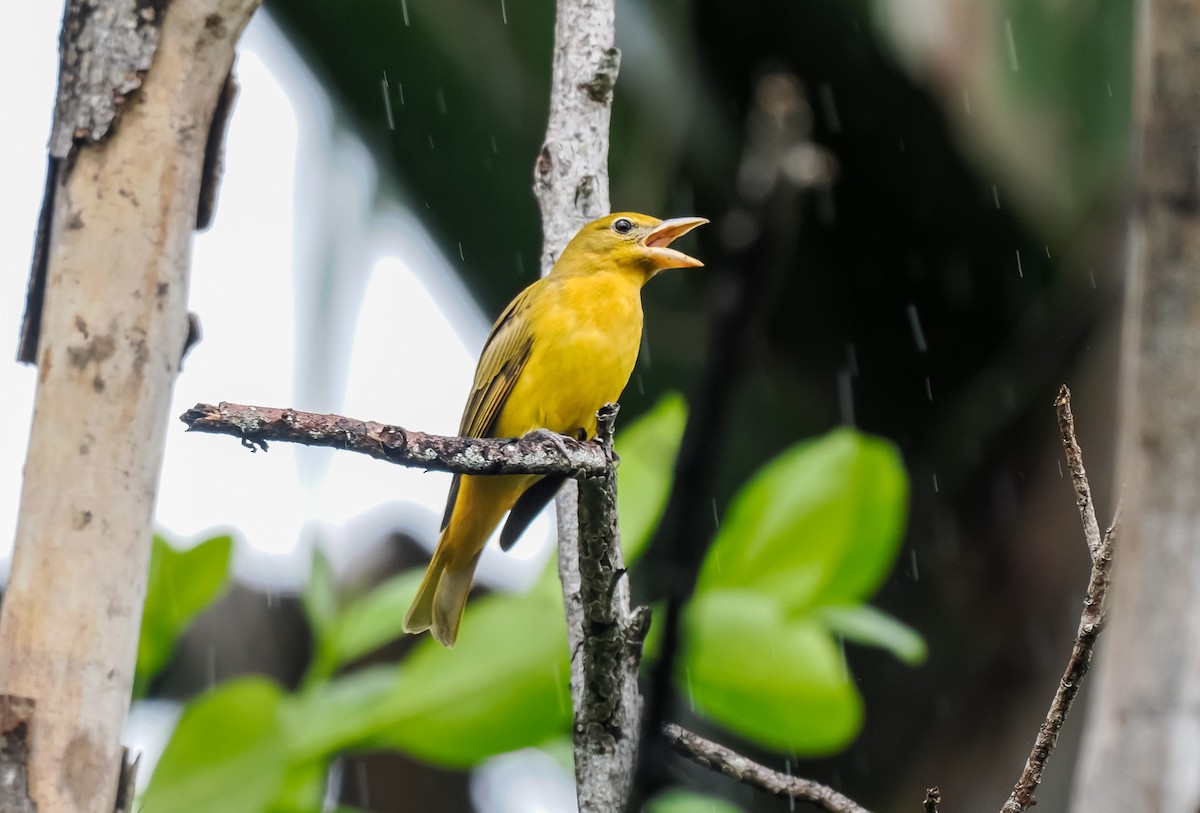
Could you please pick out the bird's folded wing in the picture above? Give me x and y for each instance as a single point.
(504, 356)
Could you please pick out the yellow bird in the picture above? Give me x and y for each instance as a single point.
(562, 349)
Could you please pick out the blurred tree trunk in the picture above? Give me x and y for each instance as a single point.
(106, 323)
(1142, 742)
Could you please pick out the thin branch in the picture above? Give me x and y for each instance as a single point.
(1083, 492)
(742, 769)
(537, 453)
(1091, 621)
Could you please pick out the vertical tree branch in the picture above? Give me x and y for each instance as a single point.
(1142, 739)
(571, 187)
(118, 239)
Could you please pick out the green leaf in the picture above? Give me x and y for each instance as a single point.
(863, 624)
(180, 585)
(820, 524)
(227, 754)
(780, 681)
(503, 687)
(648, 448)
(320, 596)
(303, 788)
(678, 800)
(376, 618)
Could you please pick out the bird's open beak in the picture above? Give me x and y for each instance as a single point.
(656, 242)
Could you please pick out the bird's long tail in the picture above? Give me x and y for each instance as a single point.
(442, 596)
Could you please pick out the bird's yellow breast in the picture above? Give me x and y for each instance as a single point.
(586, 332)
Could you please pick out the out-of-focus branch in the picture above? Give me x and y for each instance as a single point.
(536, 453)
(748, 772)
(778, 163)
(105, 322)
(1091, 621)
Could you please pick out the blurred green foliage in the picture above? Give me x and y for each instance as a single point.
(180, 585)
(805, 543)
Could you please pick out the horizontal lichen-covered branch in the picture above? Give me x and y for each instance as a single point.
(539, 452)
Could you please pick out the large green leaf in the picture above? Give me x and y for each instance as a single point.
(647, 448)
(779, 681)
(503, 687)
(180, 585)
(678, 800)
(820, 524)
(804, 543)
(376, 618)
(227, 755)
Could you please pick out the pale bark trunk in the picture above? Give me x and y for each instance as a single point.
(1141, 747)
(113, 327)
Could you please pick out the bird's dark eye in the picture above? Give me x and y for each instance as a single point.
(622, 225)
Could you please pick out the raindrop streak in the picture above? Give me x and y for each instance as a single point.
(495, 149)
(1092, 275)
(1047, 252)
(914, 322)
(787, 769)
(928, 390)
(503, 12)
(1060, 474)
(429, 138)
(387, 102)
(716, 518)
(829, 108)
(1020, 271)
(404, 10)
(400, 92)
(360, 772)
(441, 101)
(912, 556)
(936, 490)
(640, 385)
(846, 396)
(995, 196)
(460, 252)
(1012, 46)
(1109, 86)
(852, 359)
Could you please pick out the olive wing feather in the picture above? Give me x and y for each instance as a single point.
(504, 355)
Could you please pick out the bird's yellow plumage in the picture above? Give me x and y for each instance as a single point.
(562, 349)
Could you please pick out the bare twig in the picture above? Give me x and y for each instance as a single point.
(748, 772)
(1083, 492)
(1091, 621)
(536, 453)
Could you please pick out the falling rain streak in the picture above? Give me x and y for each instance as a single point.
(829, 108)
(928, 390)
(936, 490)
(1012, 46)
(846, 396)
(387, 102)
(404, 10)
(1020, 271)
(503, 12)
(912, 557)
(441, 101)
(914, 322)
(995, 196)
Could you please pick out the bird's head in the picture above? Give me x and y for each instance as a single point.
(630, 240)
